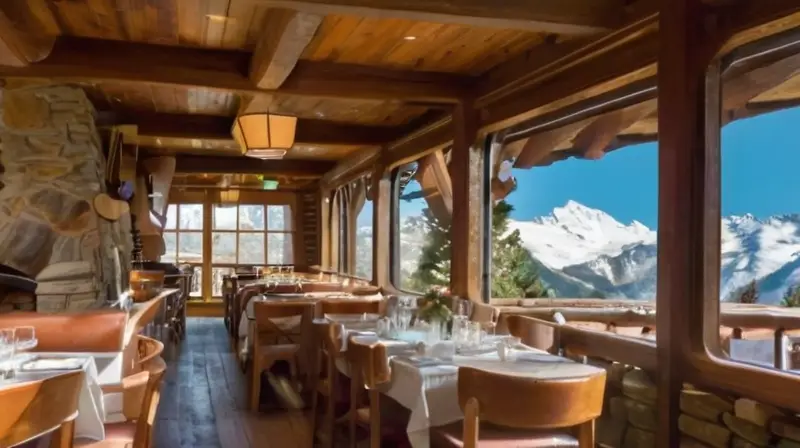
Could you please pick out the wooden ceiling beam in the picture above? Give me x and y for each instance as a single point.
(85, 60)
(595, 138)
(285, 35)
(19, 48)
(544, 16)
(539, 145)
(309, 132)
(247, 165)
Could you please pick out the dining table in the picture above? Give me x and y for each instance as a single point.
(93, 407)
(424, 375)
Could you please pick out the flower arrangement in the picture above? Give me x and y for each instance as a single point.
(435, 305)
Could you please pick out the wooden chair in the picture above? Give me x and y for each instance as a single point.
(534, 332)
(141, 395)
(272, 344)
(328, 337)
(506, 410)
(369, 368)
(35, 408)
(349, 306)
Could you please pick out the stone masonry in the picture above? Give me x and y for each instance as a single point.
(630, 416)
(52, 168)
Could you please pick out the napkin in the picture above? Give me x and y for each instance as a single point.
(54, 364)
(442, 350)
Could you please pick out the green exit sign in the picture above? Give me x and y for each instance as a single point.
(270, 185)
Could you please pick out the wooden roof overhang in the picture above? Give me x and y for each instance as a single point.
(362, 92)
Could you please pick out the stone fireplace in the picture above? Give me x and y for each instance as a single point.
(52, 169)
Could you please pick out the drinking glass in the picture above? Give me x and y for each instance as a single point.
(404, 318)
(473, 334)
(25, 338)
(6, 352)
(489, 328)
(463, 308)
(290, 271)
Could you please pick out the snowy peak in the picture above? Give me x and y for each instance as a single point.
(575, 234)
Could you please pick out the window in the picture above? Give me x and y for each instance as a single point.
(183, 240)
(249, 234)
(577, 218)
(421, 236)
(364, 242)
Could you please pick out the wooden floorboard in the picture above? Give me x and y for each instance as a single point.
(204, 399)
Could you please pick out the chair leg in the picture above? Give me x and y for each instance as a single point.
(352, 417)
(586, 434)
(255, 389)
(374, 419)
(315, 394)
(471, 423)
(330, 417)
(62, 437)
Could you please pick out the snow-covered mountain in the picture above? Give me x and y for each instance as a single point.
(584, 251)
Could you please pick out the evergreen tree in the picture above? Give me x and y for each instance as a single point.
(514, 270)
(433, 267)
(747, 294)
(791, 298)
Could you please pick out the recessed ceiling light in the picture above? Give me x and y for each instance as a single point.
(410, 38)
(220, 18)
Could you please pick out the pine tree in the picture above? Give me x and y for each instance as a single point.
(791, 298)
(514, 270)
(433, 267)
(748, 294)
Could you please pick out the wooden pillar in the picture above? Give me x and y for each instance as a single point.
(381, 227)
(466, 231)
(324, 227)
(688, 206)
(208, 222)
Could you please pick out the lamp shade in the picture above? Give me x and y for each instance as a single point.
(229, 196)
(264, 135)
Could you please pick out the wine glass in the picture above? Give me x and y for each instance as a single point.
(6, 352)
(25, 338)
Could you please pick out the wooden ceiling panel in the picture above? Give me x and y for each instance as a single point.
(435, 47)
(212, 147)
(161, 98)
(372, 112)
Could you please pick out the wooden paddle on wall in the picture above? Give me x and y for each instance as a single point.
(109, 208)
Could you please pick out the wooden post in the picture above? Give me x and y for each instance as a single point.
(381, 227)
(781, 355)
(208, 221)
(687, 206)
(324, 227)
(466, 172)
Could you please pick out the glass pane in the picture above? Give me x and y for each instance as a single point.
(223, 247)
(251, 248)
(279, 248)
(190, 247)
(191, 216)
(197, 283)
(279, 217)
(364, 242)
(424, 249)
(251, 217)
(224, 217)
(171, 247)
(172, 216)
(217, 275)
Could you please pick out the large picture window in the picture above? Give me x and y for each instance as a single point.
(249, 235)
(422, 233)
(183, 240)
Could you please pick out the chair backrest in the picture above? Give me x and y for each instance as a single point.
(483, 312)
(156, 367)
(349, 306)
(368, 359)
(534, 332)
(329, 336)
(543, 403)
(34, 408)
(265, 312)
(86, 331)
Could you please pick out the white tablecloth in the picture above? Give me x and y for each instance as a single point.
(428, 387)
(91, 408)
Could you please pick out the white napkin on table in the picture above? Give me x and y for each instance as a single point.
(54, 364)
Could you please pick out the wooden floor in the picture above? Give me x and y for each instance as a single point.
(203, 402)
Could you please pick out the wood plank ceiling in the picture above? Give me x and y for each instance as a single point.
(359, 74)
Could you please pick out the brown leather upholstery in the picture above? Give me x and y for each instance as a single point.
(492, 436)
(87, 331)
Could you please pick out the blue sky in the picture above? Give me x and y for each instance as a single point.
(760, 165)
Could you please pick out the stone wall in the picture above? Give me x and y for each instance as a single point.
(630, 416)
(52, 169)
